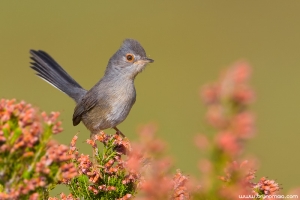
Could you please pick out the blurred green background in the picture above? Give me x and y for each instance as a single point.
(191, 42)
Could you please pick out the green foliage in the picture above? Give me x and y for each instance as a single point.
(25, 140)
(104, 177)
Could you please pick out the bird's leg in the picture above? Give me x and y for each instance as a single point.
(119, 132)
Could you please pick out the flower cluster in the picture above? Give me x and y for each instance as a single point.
(156, 180)
(64, 197)
(181, 189)
(29, 160)
(122, 169)
(104, 176)
(265, 187)
(227, 102)
(237, 180)
(57, 154)
(31, 163)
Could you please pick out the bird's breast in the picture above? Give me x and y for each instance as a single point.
(114, 102)
(123, 100)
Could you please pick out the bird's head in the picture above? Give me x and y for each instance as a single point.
(129, 60)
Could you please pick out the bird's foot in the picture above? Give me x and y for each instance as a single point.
(119, 132)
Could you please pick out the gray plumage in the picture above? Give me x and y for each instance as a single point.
(108, 103)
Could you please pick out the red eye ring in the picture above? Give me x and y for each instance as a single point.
(130, 57)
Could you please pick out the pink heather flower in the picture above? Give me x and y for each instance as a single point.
(4, 114)
(32, 184)
(122, 144)
(109, 168)
(73, 141)
(180, 187)
(57, 154)
(210, 93)
(57, 128)
(134, 160)
(93, 189)
(102, 137)
(265, 186)
(233, 83)
(228, 142)
(155, 183)
(156, 146)
(34, 196)
(73, 149)
(106, 188)
(243, 124)
(125, 197)
(146, 159)
(8, 108)
(84, 164)
(148, 140)
(238, 180)
(156, 188)
(131, 177)
(28, 154)
(241, 72)
(243, 95)
(250, 175)
(91, 142)
(68, 171)
(215, 116)
(64, 197)
(50, 119)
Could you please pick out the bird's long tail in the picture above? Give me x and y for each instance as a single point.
(50, 71)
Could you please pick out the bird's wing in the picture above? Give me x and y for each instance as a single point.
(87, 103)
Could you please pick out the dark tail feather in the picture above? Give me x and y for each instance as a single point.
(49, 70)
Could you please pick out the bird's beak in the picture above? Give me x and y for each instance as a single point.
(148, 60)
(144, 61)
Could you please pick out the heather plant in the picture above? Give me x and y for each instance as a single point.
(32, 163)
(123, 170)
(105, 176)
(232, 123)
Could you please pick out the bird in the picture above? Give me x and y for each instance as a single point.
(109, 101)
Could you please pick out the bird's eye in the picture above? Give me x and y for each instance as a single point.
(129, 57)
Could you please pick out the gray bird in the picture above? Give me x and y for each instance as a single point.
(108, 103)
